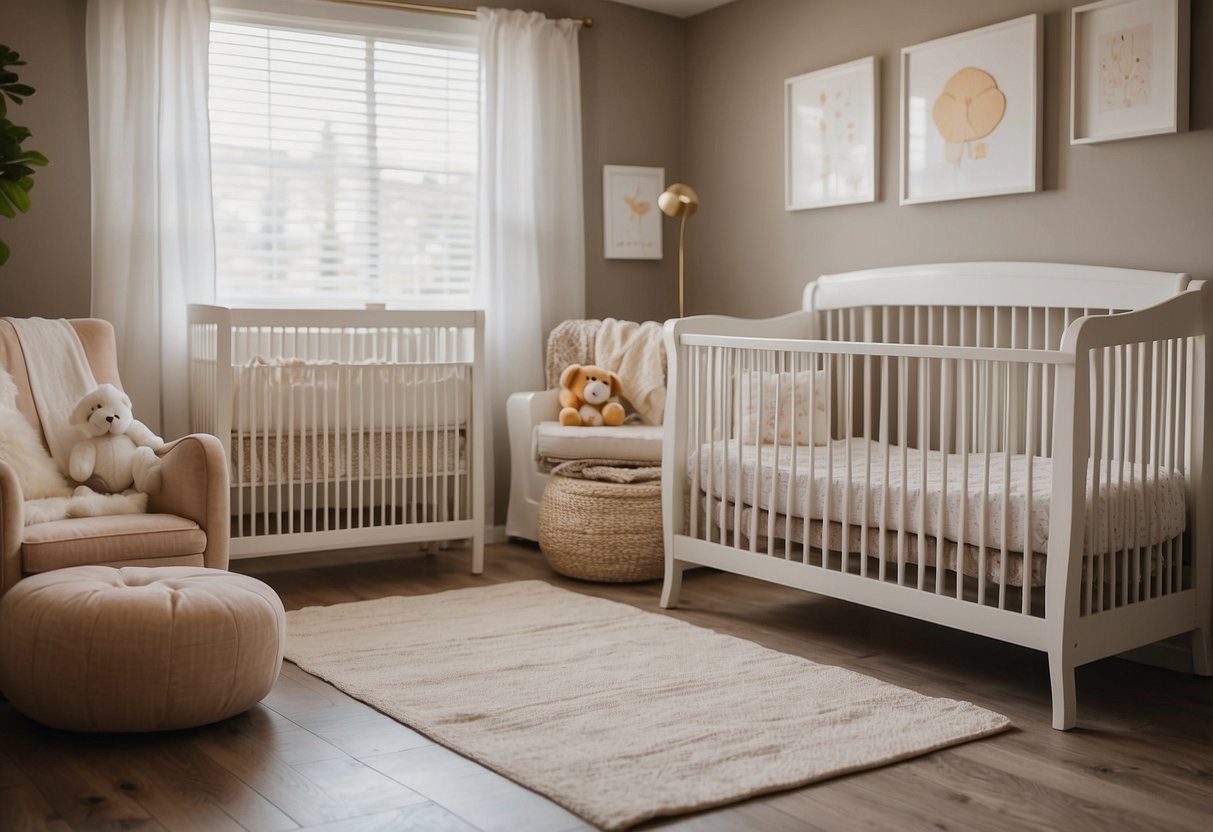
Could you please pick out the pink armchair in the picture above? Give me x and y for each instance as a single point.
(186, 524)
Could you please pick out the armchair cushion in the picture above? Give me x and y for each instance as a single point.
(631, 442)
(113, 538)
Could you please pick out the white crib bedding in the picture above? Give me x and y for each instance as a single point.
(294, 394)
(1148, 509)
(763, 526)
(341, 456)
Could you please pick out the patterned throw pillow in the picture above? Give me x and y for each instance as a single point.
(776, 394)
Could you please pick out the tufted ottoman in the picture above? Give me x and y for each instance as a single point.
(94, 648)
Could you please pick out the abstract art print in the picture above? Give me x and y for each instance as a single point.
(970, 113)
(831, 136)
(631, 221)
(1128, 69)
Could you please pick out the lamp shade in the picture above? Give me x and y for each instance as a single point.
(678, 201)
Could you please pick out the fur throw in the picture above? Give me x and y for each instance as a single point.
(48, 495)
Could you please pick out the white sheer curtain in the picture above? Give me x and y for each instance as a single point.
(531, 226)
(153, 237)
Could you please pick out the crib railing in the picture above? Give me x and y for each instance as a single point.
(756, 412)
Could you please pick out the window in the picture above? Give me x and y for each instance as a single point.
(344, 161)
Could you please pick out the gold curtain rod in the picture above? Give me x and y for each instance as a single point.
(586, 22)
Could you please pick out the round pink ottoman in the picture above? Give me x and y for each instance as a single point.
(93, 648)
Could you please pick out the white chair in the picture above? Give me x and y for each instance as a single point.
(538, 441)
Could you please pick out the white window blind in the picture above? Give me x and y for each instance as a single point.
(344, 163)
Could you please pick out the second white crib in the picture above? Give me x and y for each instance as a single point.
(344, 428)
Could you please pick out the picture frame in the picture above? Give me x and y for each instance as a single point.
(971, 113)
(831, 136)
(631, 220)
(1128, 69)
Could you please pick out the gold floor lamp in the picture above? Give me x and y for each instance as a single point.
(680, 201)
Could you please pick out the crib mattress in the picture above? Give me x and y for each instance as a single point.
(761, 525)
(342, 456)
(1147, 509)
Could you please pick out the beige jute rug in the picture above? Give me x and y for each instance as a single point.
(617, 714)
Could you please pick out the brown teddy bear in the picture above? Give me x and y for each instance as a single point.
(587, 396)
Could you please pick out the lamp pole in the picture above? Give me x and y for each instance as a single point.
(680, 201)
(682, 254)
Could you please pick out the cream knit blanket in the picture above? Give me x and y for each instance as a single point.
(59, 376)
(636, 353)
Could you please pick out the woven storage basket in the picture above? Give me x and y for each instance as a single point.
(599, 530)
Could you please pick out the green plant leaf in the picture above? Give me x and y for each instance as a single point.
(16, 163)
(16, 194)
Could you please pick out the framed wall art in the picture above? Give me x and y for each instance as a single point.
(631, 221)
(1128, 69)
(830, 136)
(970, 113)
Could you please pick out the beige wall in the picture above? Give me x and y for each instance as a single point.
(48, 273)
(1145, 203)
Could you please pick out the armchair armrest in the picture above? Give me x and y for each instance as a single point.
(194, 485)
(523, 412)
(12, 522)
(532, 408)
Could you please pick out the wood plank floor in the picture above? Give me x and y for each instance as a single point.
(310, 757)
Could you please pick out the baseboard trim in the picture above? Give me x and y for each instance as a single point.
(1164, 654)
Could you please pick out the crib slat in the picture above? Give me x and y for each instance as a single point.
(794, 367)
(1004, 509)
(867, 466)
(987, 389)
(772, 500)
(882, 539)
(903, 434)
(963, 438)
(941, 524)
(845, 405)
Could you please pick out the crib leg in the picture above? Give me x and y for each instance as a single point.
(1061, 678)
(478, 554)
(1202, 652)
(672, 587)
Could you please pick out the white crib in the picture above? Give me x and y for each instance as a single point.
(344, 428)
(1019, 450)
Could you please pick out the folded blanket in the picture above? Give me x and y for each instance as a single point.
(59, 376)
(636, 353)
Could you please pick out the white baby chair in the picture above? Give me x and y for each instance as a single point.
(538, 442)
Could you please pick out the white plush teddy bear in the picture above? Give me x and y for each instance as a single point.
(119, 450)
